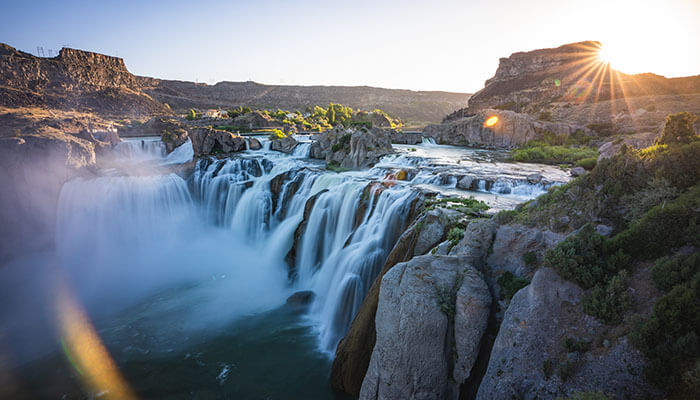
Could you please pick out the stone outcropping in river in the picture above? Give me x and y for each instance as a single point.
(210, 141)
(172, 131)
(73, 80)
(352, 148)
(431, 314)
(285, 144)
(510, 130)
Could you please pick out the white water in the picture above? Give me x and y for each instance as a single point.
(224, 232)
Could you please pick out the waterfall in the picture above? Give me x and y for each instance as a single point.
(140, 149)
(302, 150)
(428, 141)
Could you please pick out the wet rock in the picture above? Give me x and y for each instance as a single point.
(285, 145)
(418, 362)
(209, 141)
(534, 179)
(465, 183)
(577, 171)
(300, 299)
(254, 144)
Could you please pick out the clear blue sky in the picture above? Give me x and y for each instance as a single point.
(421, 45)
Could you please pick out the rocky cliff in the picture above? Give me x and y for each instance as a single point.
(427, 106)
(73, 80)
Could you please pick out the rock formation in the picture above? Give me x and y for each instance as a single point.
(352, 148)
(285, 144)
(73, 80)
(509, 130)
(431, 315)
(209, 141)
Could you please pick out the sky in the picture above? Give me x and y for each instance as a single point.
(420, 45)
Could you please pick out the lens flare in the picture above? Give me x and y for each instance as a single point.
(491, 121)
(86, 353)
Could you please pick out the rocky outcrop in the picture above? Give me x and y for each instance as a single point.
(209, 141)
(352, 148)
(256, 120)
(355, 349)
(511, 129)
(407, 138)
(512, 242)
(73, 80)
(477, 240)
(431, 315)
(172, 131)
(284, 145)
(529, 361)
(254, 144)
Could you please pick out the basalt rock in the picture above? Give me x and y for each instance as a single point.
(423, 350)
(254, 144)
(352, 148)
(209, 141)
(285, 145)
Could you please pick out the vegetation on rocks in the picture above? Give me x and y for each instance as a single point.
(558, 149)
(510, 284)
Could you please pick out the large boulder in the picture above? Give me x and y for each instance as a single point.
(529, 361)
(210, 141)
(509, 130)
(476, 242)
(255, 120)
(352, 148)
(431, 315)
(285, 144)
(511, 244)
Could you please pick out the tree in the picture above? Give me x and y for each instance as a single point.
(191, 115)
(331, 114)
(679, 129)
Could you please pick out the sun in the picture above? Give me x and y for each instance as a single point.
(604, 55)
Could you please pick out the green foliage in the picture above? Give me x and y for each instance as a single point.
(608, 301)
(455, 235)
(575, 346)
(679, 129)
(658, 191)
(510, 284)
(670, 338)
(664, 227)
(446, 296)
(335, 166)
(553, 154)
(587, 163)
(277, 134)
(672, 271)
(504, 217)
(465, 205)
(530, 259)
(580, 257)
(342, 143)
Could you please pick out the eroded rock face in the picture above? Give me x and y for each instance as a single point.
(285, 145)
(513, 241)
(475, 244)
(527, 357)
(209, 141)
(510, 130)
(254, 144)
(413, 357)
(352, 148)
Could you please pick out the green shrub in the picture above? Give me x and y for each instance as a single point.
(658, 191)
(277, 134)
(575, 346)
(671, 271)
(579, 258)
(679, 129)
(670, 337)
(608, 301)
(510, 284)
(504, 217)
(662, 228)
(587, 163)
(530, 259)
(191, 115)
(554, 155)
(455, 235)
(335, 166)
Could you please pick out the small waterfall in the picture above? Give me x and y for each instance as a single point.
(428, 141)
(302, 150)
(182, 154)
(138, 150)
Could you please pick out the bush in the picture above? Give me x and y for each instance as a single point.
(664, 227)
(587, 163)
(277, 134)
(608, 301)
(191, 115)
(554, 155)
(672, 271)
(579, 258)
(679, 129)
(658, 191)
(670, 337)
(510, 284)
(530, 259)
(455, 235)
(575, 346)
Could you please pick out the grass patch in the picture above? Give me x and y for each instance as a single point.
(510, 284)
